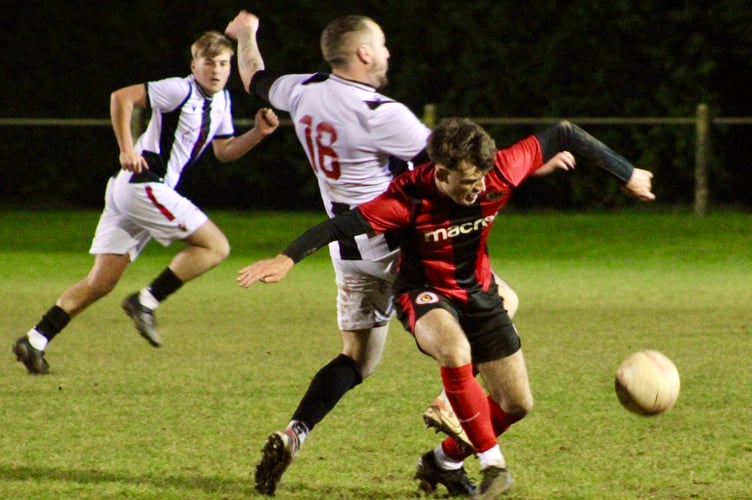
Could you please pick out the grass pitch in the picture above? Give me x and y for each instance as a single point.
(118, 418)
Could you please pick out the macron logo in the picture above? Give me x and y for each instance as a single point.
(445, 233)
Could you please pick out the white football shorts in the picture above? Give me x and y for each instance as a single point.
(135, 213)
(364, 292)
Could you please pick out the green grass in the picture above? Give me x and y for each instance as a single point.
(117, 418)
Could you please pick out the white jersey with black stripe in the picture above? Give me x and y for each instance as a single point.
(183, 123)
(349, 131)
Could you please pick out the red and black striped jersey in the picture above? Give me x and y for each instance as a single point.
(444, 244)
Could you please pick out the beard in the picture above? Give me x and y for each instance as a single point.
(383, 81)
(381, 78)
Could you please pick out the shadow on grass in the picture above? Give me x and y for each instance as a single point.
(210, 485)
(362, 492)
(91, 476)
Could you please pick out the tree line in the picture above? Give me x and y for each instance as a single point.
(486, 58)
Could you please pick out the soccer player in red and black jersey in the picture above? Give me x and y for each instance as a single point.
(445, 292)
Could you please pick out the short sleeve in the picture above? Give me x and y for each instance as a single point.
(398, 132)
(282, 91)
(520, 160)
(388, 211)
(166, 95)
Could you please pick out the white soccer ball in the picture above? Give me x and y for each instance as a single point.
(647, 383)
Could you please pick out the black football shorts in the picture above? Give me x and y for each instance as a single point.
(491, 333)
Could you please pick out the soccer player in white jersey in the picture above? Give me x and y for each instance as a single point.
(141, 203)
(353, 137)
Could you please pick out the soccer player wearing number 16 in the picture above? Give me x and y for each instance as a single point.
(445, 292)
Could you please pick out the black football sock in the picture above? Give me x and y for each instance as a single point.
(165, 284)
(54, 320)
(326, 389)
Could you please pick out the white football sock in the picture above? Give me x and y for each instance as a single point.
(36, 339)
(444, 461)
(300, 430)
(147, 299)
(492, 456)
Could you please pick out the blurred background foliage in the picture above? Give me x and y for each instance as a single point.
(483, 58)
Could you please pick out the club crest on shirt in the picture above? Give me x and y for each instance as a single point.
(427, 298)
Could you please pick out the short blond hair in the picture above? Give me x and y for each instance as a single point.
(211, 44)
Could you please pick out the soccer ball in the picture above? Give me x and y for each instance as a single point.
(647, 383)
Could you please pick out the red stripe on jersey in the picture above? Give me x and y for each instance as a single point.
(407, 306)
(160, 207)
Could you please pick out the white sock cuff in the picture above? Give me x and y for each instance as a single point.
(301, 430)
(444, 461)
(36, 339)
(147, 299)
(492, 456)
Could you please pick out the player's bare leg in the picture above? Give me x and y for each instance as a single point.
(440, 336)
(510, 399)
(511, 299)
(205, 249)
(439, 414)
(365, 347)
(102, 278)
(508, 384)
(361, 353)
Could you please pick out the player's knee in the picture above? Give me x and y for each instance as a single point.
(220, 250)
(510, 297)
(527, 406)
(453, 357)
(364, 360)
(211, 243)
(368, 366)
(511, 302)
(365, 347)
(224, 251)
(515, 404)
(521, 406)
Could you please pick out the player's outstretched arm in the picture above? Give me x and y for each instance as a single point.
(232, 148)
(566, 136)
(343, 226)
(243, 29)
(265, 271)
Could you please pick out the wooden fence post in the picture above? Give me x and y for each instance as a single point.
(702, 157)
(429, 115)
